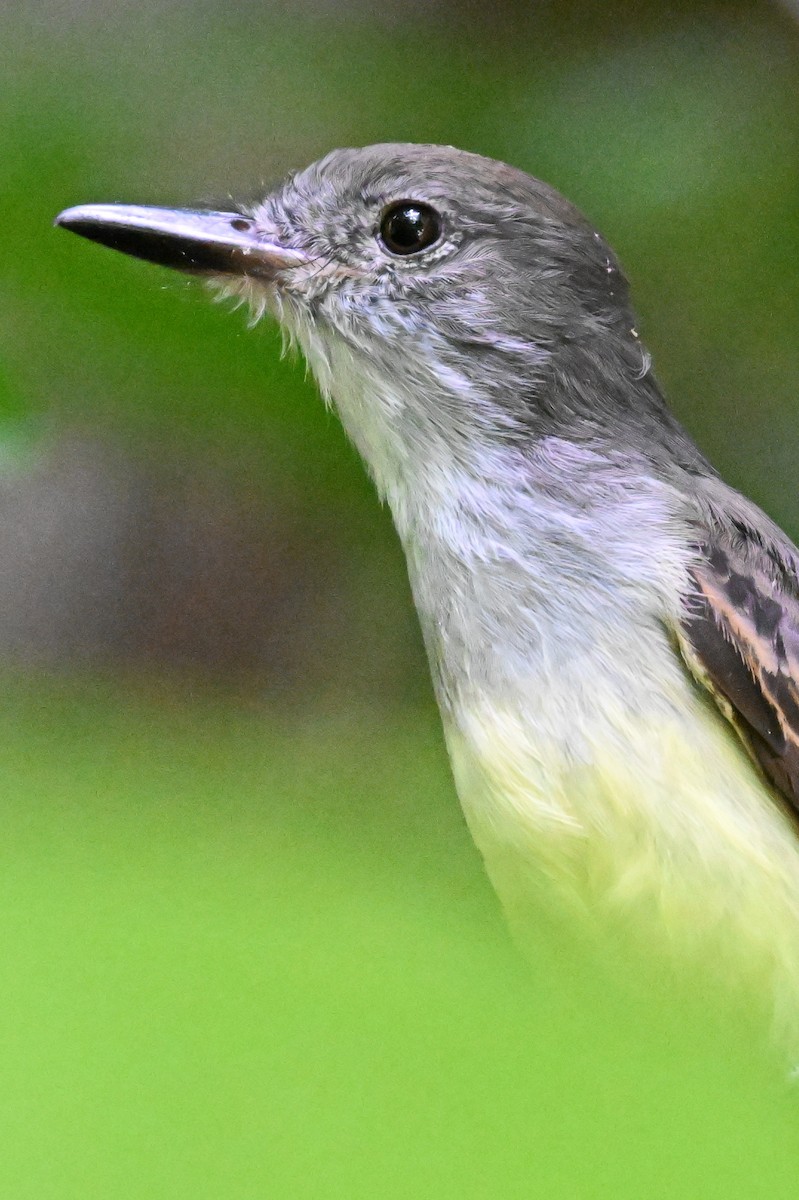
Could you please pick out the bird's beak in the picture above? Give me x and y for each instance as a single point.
(211, 243)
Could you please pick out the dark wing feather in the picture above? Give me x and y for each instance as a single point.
(740, 637)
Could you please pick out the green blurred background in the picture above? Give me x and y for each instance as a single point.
(247, 946)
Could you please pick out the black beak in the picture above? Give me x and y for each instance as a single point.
(214, 243)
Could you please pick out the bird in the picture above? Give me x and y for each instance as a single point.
(612, 630)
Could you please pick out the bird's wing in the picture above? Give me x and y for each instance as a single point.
(740, 636)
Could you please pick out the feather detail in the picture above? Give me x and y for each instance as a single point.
(740, 638)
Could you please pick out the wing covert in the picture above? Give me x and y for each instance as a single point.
(740, 638)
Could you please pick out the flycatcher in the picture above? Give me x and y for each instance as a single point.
(613, 632)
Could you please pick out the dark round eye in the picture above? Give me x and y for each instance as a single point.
(408, 227)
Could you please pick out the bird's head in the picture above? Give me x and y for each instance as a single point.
(436, 294)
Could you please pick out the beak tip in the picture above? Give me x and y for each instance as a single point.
(73, 218)
(66, 215)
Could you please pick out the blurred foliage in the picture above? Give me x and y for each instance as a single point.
(228, 971)
(248, 947)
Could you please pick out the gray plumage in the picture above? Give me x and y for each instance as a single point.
(613, 632)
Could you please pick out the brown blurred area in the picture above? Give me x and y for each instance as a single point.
(109, 562)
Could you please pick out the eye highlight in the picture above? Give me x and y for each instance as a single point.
(409, 227)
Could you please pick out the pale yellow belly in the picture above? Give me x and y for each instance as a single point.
(659, 829)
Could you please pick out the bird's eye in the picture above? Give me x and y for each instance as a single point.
(409, 226)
